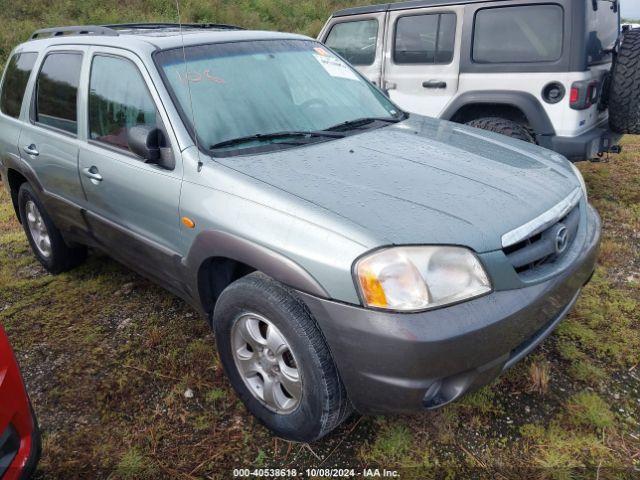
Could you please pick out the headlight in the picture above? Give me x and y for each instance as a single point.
(580, 179)
(418, 278)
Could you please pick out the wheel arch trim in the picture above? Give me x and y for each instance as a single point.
(527, 103)
(213, 244)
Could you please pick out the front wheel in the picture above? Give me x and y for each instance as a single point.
(277, 359)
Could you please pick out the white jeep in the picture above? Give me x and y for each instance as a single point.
(554, 72)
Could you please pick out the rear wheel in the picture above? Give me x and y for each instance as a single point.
(503, 127)
(277, 359)
(44, 237)
(624, 92)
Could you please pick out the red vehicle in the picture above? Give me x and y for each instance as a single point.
(19, 435)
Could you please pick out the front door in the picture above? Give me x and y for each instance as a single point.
(133, 206)
(422, 58)
(359, 40)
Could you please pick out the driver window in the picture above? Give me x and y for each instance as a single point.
(118, 100)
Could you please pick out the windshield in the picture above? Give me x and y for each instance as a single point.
(243, 89)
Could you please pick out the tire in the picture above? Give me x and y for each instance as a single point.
(321, 403)
(624, 93)
(503, 127)
(53, 253)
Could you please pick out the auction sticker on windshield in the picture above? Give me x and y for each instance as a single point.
(334, 66)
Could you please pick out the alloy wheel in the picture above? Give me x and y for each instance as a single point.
(266, 363)
(38, 229)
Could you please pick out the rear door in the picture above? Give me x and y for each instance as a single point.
(49, 142)
(358, 39)
(133, 206)
(422, 58)
(14, 86)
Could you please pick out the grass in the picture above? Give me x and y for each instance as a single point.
(108, 356)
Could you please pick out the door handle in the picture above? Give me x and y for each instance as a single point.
(93, 174)
(389, 86)
(31, 150)
(434, 84)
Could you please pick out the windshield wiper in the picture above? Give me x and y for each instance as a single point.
(361, 122)
(274, 136)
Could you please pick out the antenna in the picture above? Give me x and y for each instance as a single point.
(186, 76)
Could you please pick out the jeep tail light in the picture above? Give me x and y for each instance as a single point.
(584, 94)
(575, 95)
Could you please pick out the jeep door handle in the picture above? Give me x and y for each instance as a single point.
(93, 174)
(434, 84)
(31, 150)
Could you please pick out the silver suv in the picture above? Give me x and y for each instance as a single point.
(347, 254)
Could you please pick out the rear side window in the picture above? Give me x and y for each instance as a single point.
(355, 41)
(57, 91)
(424, 39)
(118, 100)
(527, 34)
(602, 33)
(15, 83)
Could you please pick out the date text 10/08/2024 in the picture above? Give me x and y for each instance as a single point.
(314, 473)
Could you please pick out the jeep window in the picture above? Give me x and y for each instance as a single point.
(118, 100)
(243, 89)
(603, 30)
(15, 83)
(355, 41)
(526, 34)
(425, 39)
(57, 91)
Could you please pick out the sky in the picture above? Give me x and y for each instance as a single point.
(630, 8)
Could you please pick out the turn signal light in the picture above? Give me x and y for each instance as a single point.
(187, 222)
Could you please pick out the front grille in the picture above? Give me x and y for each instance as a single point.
(545, 247)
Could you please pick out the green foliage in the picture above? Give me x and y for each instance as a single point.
(482, 400)
(19, 18)
(215, 394)
(391, 446)
(590, 410)
(606, 319)
(134, 465)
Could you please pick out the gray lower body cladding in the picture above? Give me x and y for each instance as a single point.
(408, 362)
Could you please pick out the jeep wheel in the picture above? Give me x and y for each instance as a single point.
(624, 94)
(503, 127)
(45, 239)
(277, 360)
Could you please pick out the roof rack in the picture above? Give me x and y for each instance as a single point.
(161, 25)
(112, 30)
(78, 30)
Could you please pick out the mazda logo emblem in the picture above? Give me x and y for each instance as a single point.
(562, 239)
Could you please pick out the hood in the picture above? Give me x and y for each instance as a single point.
(422, 181)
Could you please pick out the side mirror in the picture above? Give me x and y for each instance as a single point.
(149, 143)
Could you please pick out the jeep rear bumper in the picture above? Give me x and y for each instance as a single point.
(586, 146)
(392, 362)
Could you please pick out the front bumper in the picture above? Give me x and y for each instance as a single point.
(407, 362)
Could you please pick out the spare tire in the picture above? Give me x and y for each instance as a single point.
(624, 93)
